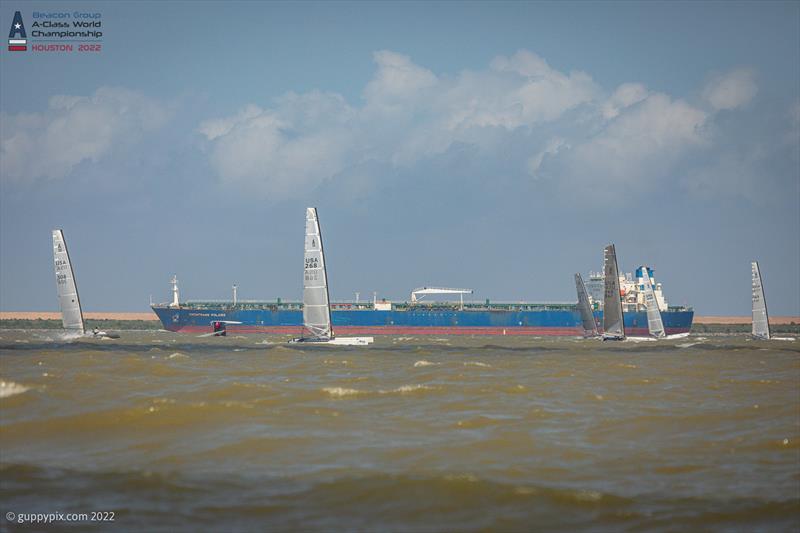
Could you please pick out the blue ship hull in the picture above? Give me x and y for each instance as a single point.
(411, 321)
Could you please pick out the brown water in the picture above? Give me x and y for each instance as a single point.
(173, 431)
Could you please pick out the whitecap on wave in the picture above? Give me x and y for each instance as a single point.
(477, 363)
(341, 391)
(406, 388)
(9, 388)
(425, 363)
(687, 344)
(403, 389)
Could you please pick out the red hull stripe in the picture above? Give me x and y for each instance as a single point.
(393, 330)
(17, 48)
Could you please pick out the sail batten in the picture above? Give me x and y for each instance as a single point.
(316, 302)
(654, 323)
(587, 317)
(66, 286)
(613, 325)
(760, 316)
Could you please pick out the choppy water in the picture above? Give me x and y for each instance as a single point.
(174, 432)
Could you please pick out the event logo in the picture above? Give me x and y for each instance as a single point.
(57, 31)
(17, 38)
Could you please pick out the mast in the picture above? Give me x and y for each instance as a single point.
(760, 317)
(587, 317)
(316, 300)
(324, 277)
(613, 323)
(68, 299)
(654, 323)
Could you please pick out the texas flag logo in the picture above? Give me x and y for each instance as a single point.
(17, 39)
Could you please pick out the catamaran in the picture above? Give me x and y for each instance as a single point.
(67, 288)
(654, 323)
(68, 299)
(613, 325)
(317, 327)
(760, 317)
(587, 317)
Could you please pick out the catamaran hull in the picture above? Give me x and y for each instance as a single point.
(450, 322)
(336, 341)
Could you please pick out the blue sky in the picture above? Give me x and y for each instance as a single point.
(496, 146)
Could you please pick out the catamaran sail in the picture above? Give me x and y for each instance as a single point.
(70, 303)
(613, 326)
(587, 318)
(654, 322)
(316, 308)
(317, 326)
(760, 317)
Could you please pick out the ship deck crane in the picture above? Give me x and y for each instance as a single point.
(421, 292)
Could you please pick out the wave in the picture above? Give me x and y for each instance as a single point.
(687, 344)
(9, 388)
(459, 500)
(340, 392)
(425, 363)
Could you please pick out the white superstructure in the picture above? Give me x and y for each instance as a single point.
(632, 291)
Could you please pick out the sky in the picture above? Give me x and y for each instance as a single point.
(493, 146)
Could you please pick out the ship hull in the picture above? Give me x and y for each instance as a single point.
(412, 322)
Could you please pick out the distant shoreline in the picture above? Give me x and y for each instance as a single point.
(777, 320)
(54, 315)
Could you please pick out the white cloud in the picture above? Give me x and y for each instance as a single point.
(731, 90)
(547, 123)
(794, 113)
(285, 150)
(638, 146)
(398, 79)
(217, 128)
(544, 93)
(552, 148)
(626, 95)
(408, 113)
(73, 130)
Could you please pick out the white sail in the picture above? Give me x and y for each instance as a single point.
(654, 323)
(613, 326)
(70, 303)
(760, 317)
(316, 308)
(587, 318)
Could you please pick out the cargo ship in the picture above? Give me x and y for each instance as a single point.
(421, 316)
